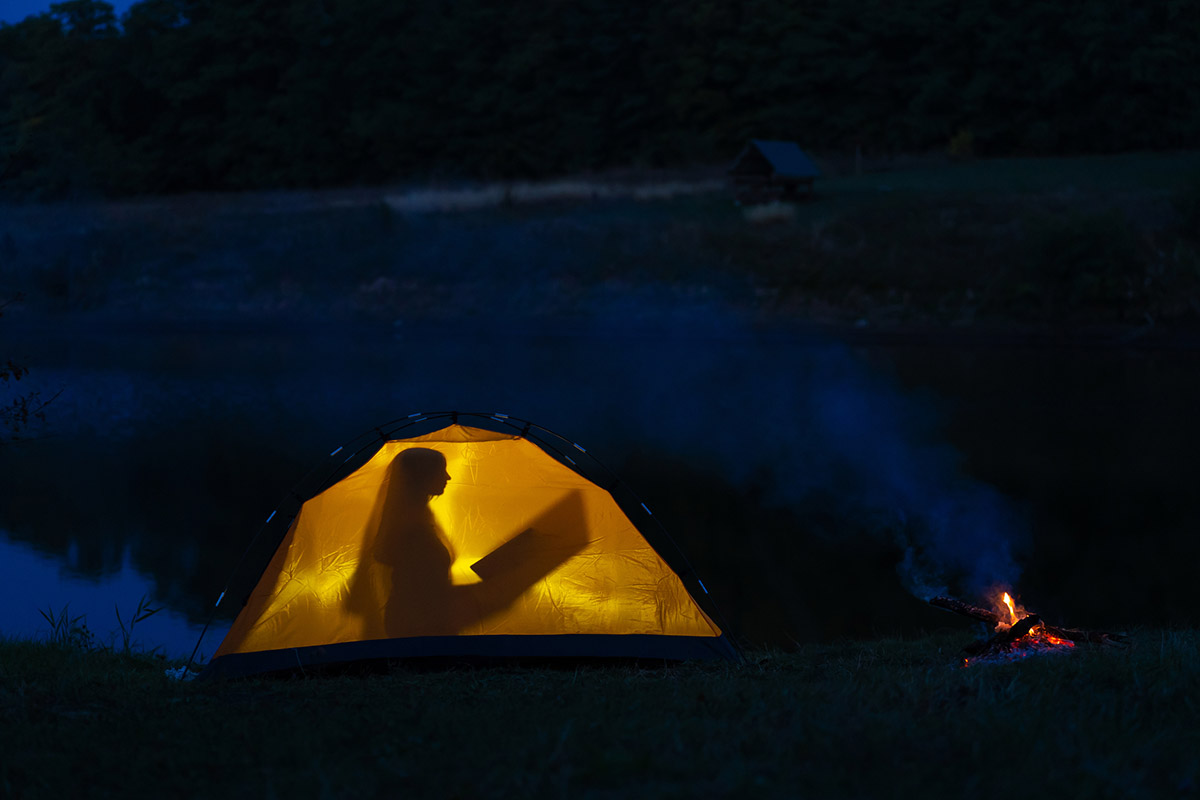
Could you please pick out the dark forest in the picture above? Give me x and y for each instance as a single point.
(183, 95)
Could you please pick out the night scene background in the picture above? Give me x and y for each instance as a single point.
(236, 234)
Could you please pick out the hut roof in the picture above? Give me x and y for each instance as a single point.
(787, 160)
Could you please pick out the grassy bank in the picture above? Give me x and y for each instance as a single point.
(869, 719)
(1048, 241)
(1066, 242)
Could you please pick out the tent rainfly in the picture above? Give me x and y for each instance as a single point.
(769, 170)
(464, 542)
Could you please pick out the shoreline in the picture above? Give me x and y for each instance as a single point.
(726, 325)
(1000, 253)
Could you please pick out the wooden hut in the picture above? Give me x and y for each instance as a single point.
(772, 170)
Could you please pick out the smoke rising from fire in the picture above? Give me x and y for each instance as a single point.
(953, 530)
(815, 420)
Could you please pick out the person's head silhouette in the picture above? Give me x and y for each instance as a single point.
(424, 471)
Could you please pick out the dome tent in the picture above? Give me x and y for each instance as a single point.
(463, 542)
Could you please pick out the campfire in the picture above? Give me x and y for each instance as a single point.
(1018, 633)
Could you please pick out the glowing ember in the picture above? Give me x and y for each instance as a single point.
(1017, 634)
(1036, 642)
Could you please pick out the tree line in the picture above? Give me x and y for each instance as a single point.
(182, 95)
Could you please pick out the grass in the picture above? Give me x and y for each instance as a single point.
(861, 719)
(71, 631)
(1075, 241)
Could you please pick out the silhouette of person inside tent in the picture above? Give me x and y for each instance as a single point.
(405, 568)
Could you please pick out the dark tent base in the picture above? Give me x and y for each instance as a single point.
(630, 647)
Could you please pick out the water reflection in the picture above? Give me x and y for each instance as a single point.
(789, 470)
(32, 582)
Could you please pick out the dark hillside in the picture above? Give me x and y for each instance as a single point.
(183, 95)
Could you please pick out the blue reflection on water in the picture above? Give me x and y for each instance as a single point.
(31, 583)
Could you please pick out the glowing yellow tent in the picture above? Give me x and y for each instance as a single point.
(464, 542)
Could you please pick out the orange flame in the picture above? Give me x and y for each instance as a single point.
(1036, 640)
(1012, 609)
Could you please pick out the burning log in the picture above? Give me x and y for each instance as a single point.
(1003, 640)
(1088, 637)
(967, 610)
(1017, 635)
